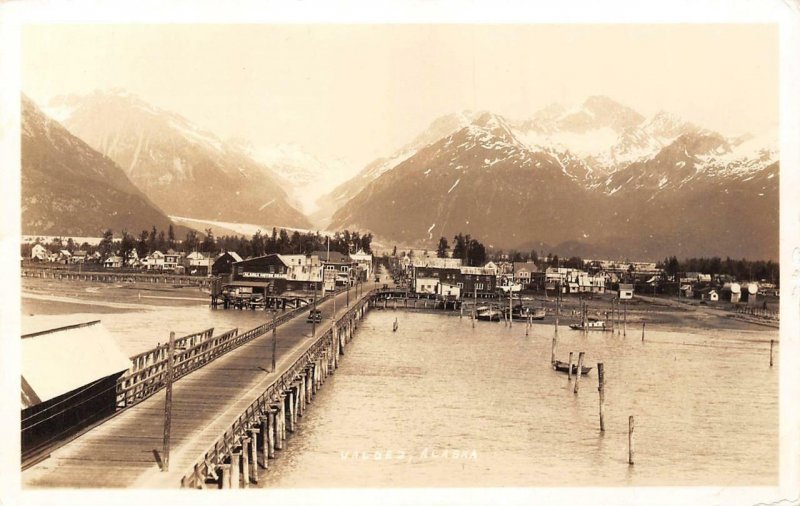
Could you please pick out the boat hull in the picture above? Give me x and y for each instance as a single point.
(564, 367)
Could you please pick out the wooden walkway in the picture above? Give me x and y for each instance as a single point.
(122, 451)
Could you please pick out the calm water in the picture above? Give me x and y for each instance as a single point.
(438, 403)
(140, 330)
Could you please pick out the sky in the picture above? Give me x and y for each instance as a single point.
(357, 92)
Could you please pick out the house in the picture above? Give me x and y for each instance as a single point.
(58, 406)
(113, 262)
(441, 263)
(171, 259)
(491, 266)
(64, 256)
(709, 294)
(197, 263)
(39, 253)
(154, 261)
(523, 272)
(687, 291)
(133, 259)
(78, 257)
(625, 291)
(223, 263)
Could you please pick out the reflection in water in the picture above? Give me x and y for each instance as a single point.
(438, 403)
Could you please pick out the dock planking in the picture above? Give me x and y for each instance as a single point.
(122, 451)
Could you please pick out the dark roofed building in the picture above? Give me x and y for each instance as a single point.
(69, 375)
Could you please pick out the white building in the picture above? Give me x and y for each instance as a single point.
(39, 252)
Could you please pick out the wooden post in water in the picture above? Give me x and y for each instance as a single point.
(474, 302)
(265, 440)
(771, 345)
(630, 440)
(168, 405)
(510, 306)
(553, 349)
(235, 463)
(569, 368)
(579, 372)
(625, 320)
(643, 324)
(602, 393)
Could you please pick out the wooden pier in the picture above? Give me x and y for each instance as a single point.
(228, 416)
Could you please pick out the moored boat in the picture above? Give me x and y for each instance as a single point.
(489, 315)
(560, 366)
(591, 324)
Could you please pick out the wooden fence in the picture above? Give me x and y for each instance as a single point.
(148, 372)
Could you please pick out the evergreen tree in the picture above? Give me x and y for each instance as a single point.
(442, 248)
(106, 244)
(171, 237)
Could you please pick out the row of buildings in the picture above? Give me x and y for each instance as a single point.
(448, 278)
(277, 273)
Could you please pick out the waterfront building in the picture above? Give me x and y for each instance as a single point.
(338, 269)
(364, 263)
(69, 373)
(625, 291)
(223, 262)
(276, 274)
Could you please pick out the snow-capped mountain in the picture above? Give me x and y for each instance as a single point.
(68, 188)
(305, 176)
(440, 127)
(184, 169)
(599, 175)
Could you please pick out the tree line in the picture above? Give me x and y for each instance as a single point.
(750, 270)
(278, 241)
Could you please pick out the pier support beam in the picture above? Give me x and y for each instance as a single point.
(246, 462)
(236, 458)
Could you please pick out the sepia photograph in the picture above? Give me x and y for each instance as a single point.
(407, 255)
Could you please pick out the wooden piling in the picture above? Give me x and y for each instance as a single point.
(625, 320)
(602, 394)
(553, 349)
(630, 440)
(225, 476)
(235, 463)
(272, 432)
(569, 370)
(643, 324)
(265, 440)
(579, 372)
(245, 462)
(771, 345)
(254, 455)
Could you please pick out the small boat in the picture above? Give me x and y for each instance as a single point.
(564, 367)
(489, 315)
(591, 324)
(520, 312)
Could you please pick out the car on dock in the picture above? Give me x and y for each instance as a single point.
(314, 316)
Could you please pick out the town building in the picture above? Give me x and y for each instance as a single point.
(364, 264)
(39, 253)
(338, 269)
(198, 263)
(113, 262)
(171, 260)
(625, 291)
(69, 371)
(524, 272)
(223, 263)
(275, 274)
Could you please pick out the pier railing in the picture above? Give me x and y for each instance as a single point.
(216, 454)
(148, 373)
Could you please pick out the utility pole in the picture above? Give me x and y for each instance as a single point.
(168, 405)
